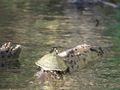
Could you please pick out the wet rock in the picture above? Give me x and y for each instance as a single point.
(79, 56)
(9, 54)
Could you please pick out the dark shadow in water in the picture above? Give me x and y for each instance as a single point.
(10, 64)
(8, 70)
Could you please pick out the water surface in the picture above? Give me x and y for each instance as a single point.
(39, 25)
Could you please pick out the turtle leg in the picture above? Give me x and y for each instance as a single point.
(57, 74)
(39, 73)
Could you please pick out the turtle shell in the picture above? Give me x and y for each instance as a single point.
(52, 62)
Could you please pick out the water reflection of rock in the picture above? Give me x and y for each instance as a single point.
(46, 81)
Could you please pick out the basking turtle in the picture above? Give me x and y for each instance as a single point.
(52, 63)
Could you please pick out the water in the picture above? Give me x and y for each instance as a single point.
(39, 25)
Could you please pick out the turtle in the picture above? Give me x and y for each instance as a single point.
(52, 63)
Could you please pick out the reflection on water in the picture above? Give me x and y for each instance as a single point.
(40, 24)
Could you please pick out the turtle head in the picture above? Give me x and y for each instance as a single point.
(54, 50)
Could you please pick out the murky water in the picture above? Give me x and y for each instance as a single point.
(39, 25)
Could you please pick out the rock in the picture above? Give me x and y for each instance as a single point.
(78, 57)
(9, 53)
(81, 49)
